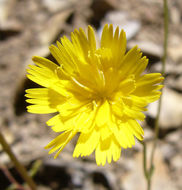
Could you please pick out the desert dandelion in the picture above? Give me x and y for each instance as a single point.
(99, 92)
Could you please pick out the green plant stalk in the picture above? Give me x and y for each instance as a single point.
(163, 73)
(149, 172)
(144, 159)
(32, 172)
(35, 168)
(20, 168)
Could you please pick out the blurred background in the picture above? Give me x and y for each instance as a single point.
(29, 27)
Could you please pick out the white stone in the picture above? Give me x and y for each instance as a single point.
(121, 19)
(171, 110)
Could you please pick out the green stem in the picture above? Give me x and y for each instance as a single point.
(20, 168)
(144, 159)
(150, 171)
(163, 73)
(33, 171)
(36, 166)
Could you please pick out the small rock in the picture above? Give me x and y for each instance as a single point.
(175, 82)
(175, 52)
(53, 27)
(175, 15)
(121, 19)
(176, 170)
(77, 177)
(11, 25)
(170, 69)
(4, 4)
(135, 179)
(176, 162)
(57, 5)
(171, 110)
(148, 133)
(168, 150)
(174, 137)
(148, 47)
(10, 28)
(116, 16)
(173, 74)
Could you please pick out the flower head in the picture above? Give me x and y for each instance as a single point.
(98, 92)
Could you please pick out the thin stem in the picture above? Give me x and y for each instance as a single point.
(147, 172)
(145, 160)
(163, 73)
(11, 178)
(165, 45)
(33, 171)
(36, 166)
(20, 168)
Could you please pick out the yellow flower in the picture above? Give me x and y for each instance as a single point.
(98, 92)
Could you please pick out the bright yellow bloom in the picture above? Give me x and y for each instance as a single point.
(98, 92)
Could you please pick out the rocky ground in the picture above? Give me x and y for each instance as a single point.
(27, 28)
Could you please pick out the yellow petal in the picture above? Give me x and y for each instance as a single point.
(135, 114)
(126, 137)
(91, 39)
(40, 109)
(107, 150)
(103, 114)
(43, 98)
(130, 60)
(44, 73)
(107, 36)
(60, 142)
(56, 53)
(86, 143)
(45, 63)
(57, 124)
(135, 129)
